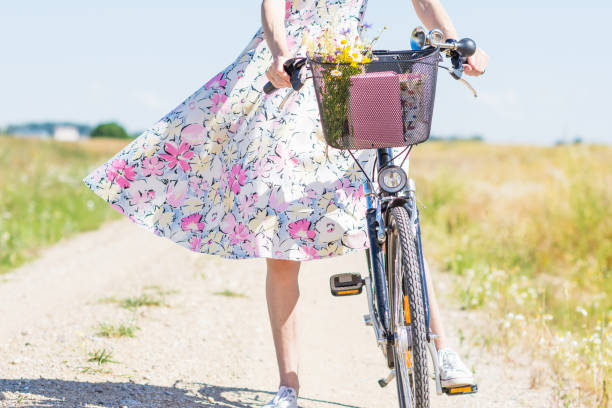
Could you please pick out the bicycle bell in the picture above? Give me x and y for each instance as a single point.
(418, 38)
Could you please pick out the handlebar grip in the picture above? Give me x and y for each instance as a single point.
(466, 47)
(269, 88)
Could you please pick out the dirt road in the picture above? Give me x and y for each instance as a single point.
(203, 345)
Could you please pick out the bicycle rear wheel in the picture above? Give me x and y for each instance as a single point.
(408, 312)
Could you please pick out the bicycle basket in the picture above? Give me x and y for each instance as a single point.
(387, 102)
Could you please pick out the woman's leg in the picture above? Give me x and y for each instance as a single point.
(434, 312)
(282, 293)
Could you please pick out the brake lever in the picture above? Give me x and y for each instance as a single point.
(457, 62)
(456, 70)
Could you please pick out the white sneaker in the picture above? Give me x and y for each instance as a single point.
(286, 397)
(453, 372)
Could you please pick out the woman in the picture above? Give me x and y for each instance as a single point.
(229, 172)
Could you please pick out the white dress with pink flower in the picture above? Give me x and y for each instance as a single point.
(229, 172)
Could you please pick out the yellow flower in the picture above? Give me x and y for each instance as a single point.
(228, 200)
(343, 42)
(263, 223)
(192, 205)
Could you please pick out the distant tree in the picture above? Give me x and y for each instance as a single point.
(578, 140)
(111, 129)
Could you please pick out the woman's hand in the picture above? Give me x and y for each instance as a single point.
(276, 73)
(477, 63)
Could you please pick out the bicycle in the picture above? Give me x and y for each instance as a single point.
(395, 286)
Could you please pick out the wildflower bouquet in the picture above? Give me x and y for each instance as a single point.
(337, 56)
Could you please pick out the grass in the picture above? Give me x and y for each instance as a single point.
(110, 330)
(101, 356)
(229, 293)
(528, 230)
(42, 198)
(140, 301)
(152, 296)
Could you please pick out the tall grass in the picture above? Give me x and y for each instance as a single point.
(529, 231)
(42, 198)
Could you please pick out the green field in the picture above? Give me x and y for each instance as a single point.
(42, 197)
(527, 232)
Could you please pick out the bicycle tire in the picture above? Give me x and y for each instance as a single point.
(405, 273)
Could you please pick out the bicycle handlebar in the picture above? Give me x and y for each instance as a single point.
(293, 68)
(458, 52)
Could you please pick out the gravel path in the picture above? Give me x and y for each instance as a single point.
(197, 348)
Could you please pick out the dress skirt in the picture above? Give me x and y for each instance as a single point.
(229, 172)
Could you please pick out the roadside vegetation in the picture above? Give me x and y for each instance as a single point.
(42, 197)
(528, 231)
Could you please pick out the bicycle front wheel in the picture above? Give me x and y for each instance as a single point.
(408, 312)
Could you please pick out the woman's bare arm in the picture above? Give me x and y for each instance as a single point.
(433, 15)
(273, 24)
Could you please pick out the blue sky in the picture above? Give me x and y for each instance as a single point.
(132, 62)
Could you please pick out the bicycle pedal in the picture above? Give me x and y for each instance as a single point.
(464, 389)
(346, 284)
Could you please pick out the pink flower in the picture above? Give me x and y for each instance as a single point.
(192, 222)
(359, 193)
(179, 155)
(310, 195)
(261, 168)
(141, 198)
(343, 187)
(239, 234)
(198, 185)
(236, 125)
(237, 178)
(193, 134)
(250, 246)
(152, 166)
(176, 193)
(218, 100)
(247, 205)
(121, 173)
(301, 229)
(216, 82)
(277, 200)
(283, 158)
(196, 244)
(290, 42)
(287, 9)
(309, 252)
(228, 224)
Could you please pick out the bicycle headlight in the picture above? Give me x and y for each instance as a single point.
(392, 179)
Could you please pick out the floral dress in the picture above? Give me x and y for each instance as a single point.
(233, 173)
